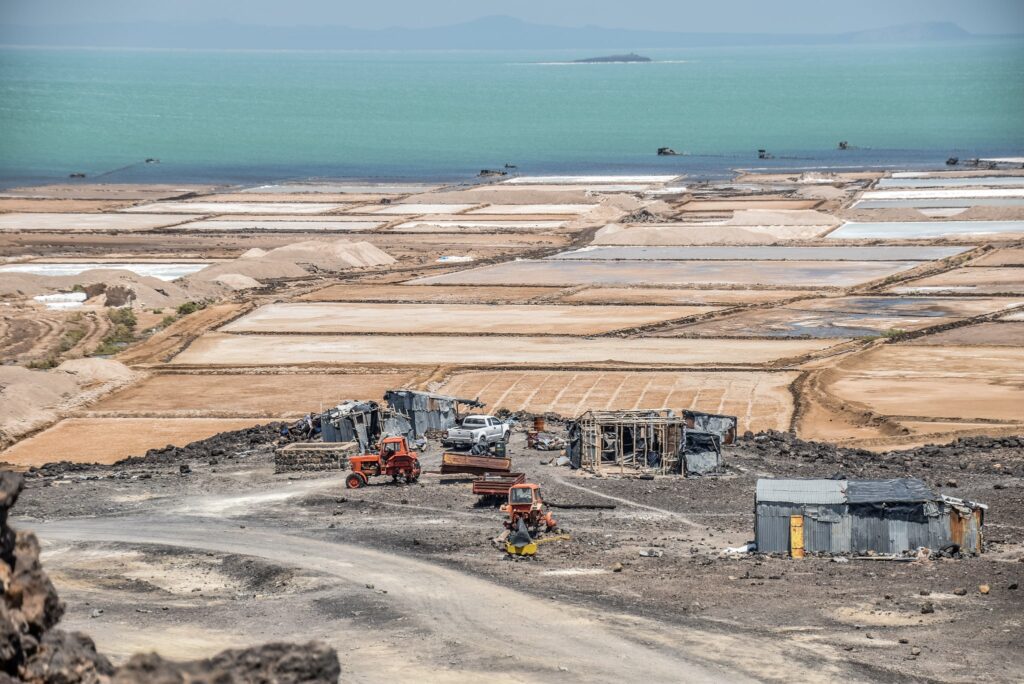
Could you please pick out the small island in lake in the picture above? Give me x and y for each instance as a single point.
(631, 57)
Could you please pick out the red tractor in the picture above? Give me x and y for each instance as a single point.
(395, 458)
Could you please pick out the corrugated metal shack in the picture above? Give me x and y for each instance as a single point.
(650, 441)
(724, 427)
(862, 516)
(352, 421)
(363, 422)
(427, 411)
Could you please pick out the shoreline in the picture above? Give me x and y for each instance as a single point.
(696, 167)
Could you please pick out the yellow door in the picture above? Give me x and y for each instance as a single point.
(796, 536)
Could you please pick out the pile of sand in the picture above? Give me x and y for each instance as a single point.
(781, 217)
(32, 399)
(824, 192)
(332, 255)
(294, 261)
(237, 281)
(149, 292)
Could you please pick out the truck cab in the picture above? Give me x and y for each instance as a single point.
(476, 430)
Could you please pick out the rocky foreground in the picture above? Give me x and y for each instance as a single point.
(33, 649)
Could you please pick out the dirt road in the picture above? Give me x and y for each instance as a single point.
(445, 625)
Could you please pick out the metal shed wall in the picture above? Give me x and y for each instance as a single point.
(425, 411)
(827, 527)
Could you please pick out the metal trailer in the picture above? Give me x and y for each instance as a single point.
(861, 516)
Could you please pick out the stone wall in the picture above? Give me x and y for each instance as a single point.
(313, 456)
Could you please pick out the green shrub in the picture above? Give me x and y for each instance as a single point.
(125, 317)
(190, 307)
(71, 338)
(121, 335)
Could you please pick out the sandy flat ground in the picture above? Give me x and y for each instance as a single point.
(105, 191)
(957, 382)
(765, 253)
(106, 440)
(268, 395)
(738, 204)
(475, 226)
(982, 280)
(539, 209)
(1000, 334)
(582, 272)
(298, 226)
(311, 219)
(665, 295)
(221, 349)
(315, 188)
(199, 207)
(760, 400)
(350, 317)
(1008, 256)
(85, 222)
(697, 234)
(287, 197)
(414, 208)
(428, 293)
(42, 206)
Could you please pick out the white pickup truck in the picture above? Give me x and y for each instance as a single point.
(476, 430)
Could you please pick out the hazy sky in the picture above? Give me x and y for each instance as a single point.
(762, 16)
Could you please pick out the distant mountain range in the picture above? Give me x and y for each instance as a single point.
(498, 33)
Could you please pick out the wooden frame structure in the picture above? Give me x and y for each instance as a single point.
(648, 441)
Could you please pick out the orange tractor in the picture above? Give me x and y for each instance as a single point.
(395, 458)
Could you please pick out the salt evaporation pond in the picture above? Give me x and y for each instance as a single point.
(923, 229)
(952, 182)
(162, 271)
(763, 253)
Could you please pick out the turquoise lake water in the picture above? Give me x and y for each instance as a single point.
(258, 115)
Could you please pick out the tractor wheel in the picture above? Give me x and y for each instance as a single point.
(355, 481)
